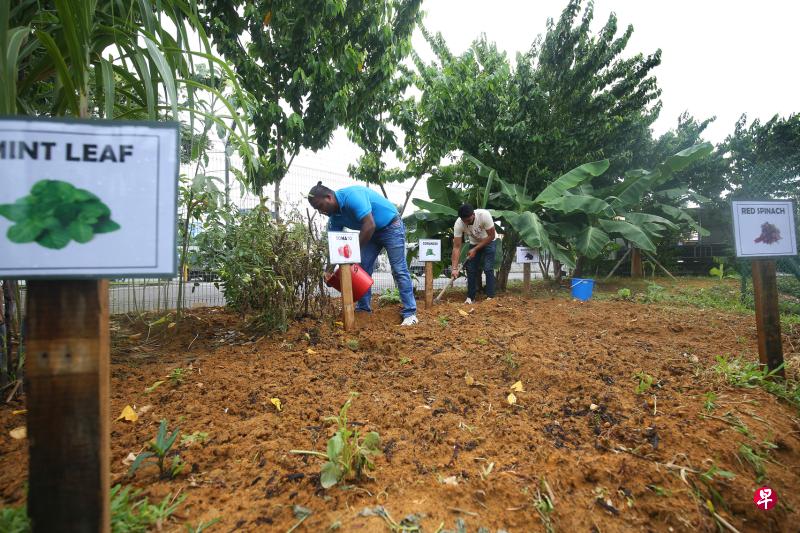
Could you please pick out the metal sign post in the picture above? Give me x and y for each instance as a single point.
(91, 200)
(765, 230)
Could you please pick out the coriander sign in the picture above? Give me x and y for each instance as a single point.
(82, 198)
(430, 250)
(764, 228)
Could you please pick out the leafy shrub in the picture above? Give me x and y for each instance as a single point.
(389, 296)
(269, 269)
(624, 294)
(348, 453)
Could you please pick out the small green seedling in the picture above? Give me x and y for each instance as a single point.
(198, 437)
(389, 296)
(443, 321)
(405, 360)
(157, 453)
(645, 382)
(130, 511)
(624, 294)
(348, 453)
(202, 526)
(508, 359)
(482, 342)
(177, 376)
(352, 344)
(710, 404)
(55, 213)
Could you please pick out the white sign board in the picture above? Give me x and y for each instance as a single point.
(764, 228)
(81, 198)
(343, 247)
(527, 255)
(430, 250)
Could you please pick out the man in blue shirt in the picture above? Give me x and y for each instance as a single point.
(380, 226)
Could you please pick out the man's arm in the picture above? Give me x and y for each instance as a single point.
(454, 257)
(490, 234)
(367, 229)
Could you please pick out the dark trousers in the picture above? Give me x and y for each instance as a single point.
(484, 259)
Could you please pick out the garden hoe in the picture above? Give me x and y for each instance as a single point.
(444, 289)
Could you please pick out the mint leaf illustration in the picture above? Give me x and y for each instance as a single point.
(55, 213)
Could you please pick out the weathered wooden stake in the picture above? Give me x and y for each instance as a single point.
(637, 269)
(526, 277)
(348, 308)
(67, 387)
(768, 318)
(428, 284)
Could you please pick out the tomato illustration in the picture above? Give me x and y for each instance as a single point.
(345, 251)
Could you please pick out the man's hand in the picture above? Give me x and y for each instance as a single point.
(454, 273)
(472, 252)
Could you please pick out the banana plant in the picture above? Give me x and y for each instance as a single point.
(571, 219)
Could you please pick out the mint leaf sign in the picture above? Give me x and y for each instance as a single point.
(55, 213)
(88, 198)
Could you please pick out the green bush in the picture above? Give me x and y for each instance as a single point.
(271, 270)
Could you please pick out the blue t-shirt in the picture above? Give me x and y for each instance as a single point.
(355, 203)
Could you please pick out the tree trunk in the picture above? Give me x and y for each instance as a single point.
(579, 264)
(544, 264)
(557, 270)
(510, 241)
(637, 269)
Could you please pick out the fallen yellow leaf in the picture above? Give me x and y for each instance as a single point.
(19, 433)
(171, 325)
(340, 324)
(511, 399)
(128, 414)
(462, 312)
(312, 352)
(277, 403)
(469, 380)
(19, 412)
(517, 387)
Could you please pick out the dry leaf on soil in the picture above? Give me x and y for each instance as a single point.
(19, 433)
(517, 387)
(462, 312)
(511, 399)
(469, 380)
(19, 411)
(277, 403)
(129, 459)
(310, 351)
(128, 414)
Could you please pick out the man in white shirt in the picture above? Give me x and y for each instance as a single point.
(479, 227)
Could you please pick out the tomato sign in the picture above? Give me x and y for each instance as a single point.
(343, 247)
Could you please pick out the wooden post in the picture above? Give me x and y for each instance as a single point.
(428, 284)
(637, 269)
(348, 309)
(67, 386)
(768, 319)
(526, 277)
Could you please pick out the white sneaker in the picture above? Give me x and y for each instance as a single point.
(468, 301)
(409, 321)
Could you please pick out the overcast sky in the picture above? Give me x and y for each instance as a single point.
(719, 57)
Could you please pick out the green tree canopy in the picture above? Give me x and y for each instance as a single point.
(310, 64)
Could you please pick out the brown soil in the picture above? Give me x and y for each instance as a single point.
(613, 460)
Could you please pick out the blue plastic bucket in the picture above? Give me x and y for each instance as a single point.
(582, 288)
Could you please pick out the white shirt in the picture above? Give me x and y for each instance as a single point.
(478, 230)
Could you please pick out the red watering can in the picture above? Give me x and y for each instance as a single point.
(361, 281)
